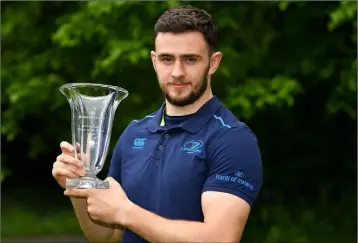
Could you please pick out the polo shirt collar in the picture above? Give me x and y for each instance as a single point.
(194, 123)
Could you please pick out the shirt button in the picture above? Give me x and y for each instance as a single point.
(166, 135)
(160, 147)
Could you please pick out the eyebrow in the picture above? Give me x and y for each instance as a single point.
(184, 55)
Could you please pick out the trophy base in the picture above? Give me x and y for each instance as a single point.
(86, 182)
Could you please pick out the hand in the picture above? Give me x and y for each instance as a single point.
(67, 165)
(106, 205)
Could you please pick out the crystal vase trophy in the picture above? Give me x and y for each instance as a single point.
(93, 107)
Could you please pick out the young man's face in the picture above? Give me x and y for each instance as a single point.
(182, 64)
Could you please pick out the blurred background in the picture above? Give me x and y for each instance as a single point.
(289, 70)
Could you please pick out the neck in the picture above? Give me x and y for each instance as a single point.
(172, 110)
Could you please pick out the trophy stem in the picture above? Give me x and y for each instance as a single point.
(90, 181)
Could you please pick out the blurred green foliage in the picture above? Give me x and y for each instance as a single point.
(289, 70)
(19, 219)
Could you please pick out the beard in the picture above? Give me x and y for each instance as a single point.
(194, 94)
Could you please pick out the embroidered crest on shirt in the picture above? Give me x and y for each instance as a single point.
(192, 146)
(139, 143)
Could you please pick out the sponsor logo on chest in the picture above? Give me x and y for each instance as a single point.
(192, 146)
(139, 143)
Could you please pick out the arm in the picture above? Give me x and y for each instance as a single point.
(95, 231)
(225, 219)
(66, 166)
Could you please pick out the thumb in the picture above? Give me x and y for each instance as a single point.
(111, 180)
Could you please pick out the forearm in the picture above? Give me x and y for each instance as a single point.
(93, 230)
(158, 229)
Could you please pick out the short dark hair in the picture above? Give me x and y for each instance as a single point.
(185, 19)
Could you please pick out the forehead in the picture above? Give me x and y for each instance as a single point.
(181, 43)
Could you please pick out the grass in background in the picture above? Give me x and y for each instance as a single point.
(35, 211)
(24, 222)
(27, 214)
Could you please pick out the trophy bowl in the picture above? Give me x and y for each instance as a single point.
(93, 107)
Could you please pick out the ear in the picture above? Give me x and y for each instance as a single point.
(153, 57)
(214, 62)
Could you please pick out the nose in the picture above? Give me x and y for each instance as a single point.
(178, 70)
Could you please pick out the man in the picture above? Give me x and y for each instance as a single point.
(189, 172)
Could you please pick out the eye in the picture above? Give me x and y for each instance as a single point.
(191, 60)
(166, 60)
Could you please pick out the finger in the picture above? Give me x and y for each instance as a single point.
(56, 172)
(79, 155)
(78, 151)
(66, 147)
(68, 159)
(110, 180)
(78, 147)
(91, 211)
(73, 168)
(77, 192)
(113, 183)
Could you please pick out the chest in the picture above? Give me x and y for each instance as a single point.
(165, 161)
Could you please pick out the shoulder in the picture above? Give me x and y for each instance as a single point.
(228, 139)
(224, 125)
(143, 121)
(137, 126)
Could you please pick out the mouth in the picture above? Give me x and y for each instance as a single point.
(178, 85)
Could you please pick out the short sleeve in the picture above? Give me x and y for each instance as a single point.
(235, 164)
(115, 167)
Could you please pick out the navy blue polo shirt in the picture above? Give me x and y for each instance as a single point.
(165, 165)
